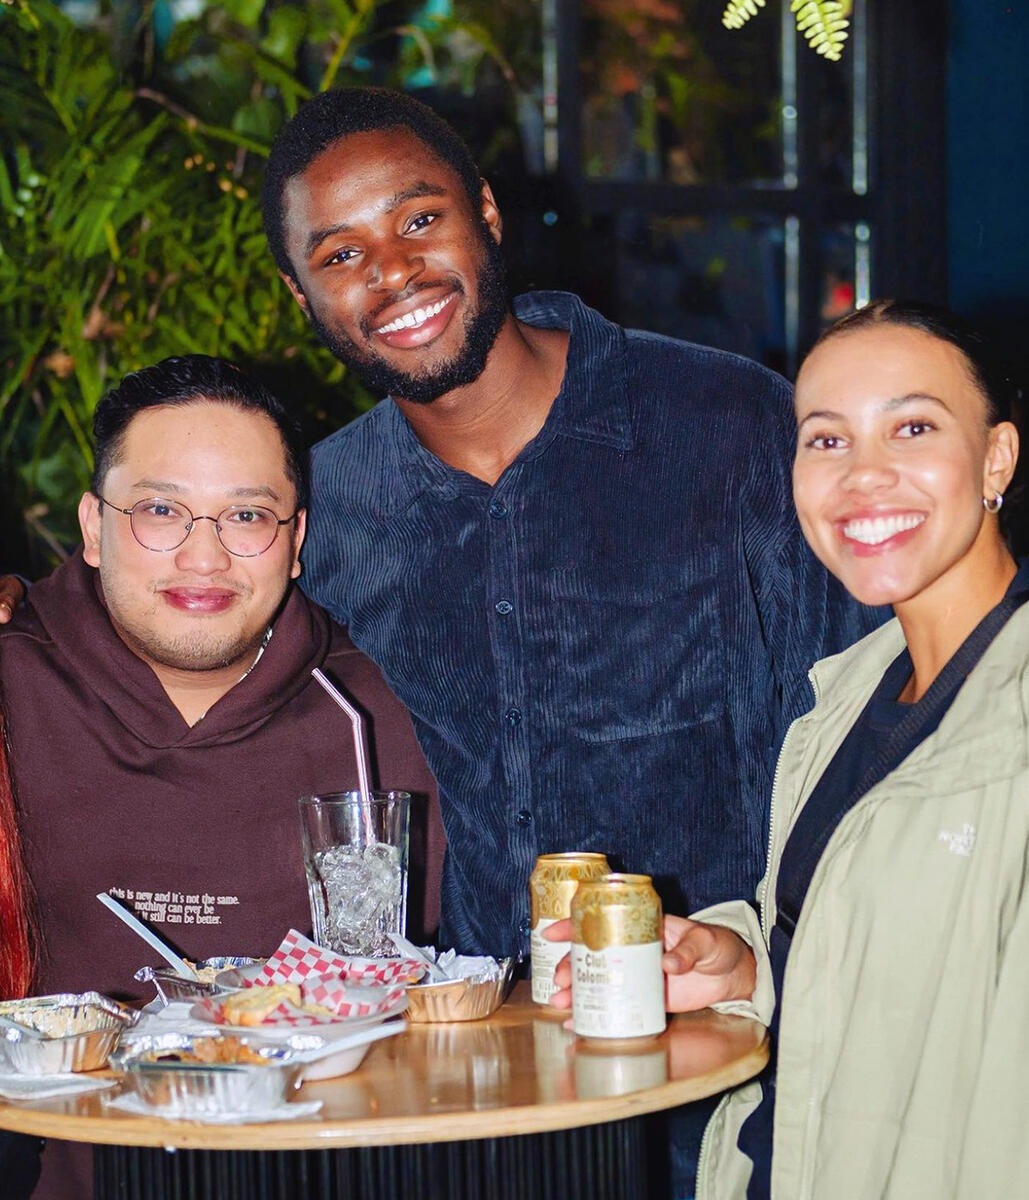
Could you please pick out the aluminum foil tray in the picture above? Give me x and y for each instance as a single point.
(79, 1032)
(172, 986)
(459, 999)
(190, 1089)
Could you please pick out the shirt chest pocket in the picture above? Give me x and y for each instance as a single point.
(641, 648)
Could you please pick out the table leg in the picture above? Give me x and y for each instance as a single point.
(598, 1162)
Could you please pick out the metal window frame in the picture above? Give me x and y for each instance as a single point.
(901, 210)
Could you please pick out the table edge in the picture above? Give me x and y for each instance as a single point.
(380, 1131)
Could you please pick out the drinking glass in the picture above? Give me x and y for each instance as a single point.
(355, 859)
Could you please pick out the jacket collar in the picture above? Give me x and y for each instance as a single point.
(592, 405)
(976, 741)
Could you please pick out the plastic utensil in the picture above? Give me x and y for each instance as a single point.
(436, 972)
(148, 935)
(360, 739)
(361, 1037)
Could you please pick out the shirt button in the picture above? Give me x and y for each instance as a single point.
(496, 509)
(504, 607)
(524, 817)
(523, 926)
(513, 716)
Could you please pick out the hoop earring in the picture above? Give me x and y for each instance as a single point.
(993, 506)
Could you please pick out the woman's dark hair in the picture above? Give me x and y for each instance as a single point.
(329, 116)
(186, 380)
(988, 371)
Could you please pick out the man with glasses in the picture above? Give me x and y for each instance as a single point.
(158, 697)
(157, 687)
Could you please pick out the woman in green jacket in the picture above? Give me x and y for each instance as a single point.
(891, 959)
(895, 909)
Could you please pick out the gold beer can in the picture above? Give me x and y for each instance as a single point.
(552, 885)
(618, 987)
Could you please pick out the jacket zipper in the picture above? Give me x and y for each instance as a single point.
(706, 1137)
(776, 779)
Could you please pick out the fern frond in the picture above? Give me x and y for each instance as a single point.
(738, 12)
(824, 25)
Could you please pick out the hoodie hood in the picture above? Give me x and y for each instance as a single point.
(68, 609)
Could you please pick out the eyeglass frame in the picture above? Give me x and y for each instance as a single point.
(193, 520)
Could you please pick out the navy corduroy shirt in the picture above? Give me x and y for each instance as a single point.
(602, 651)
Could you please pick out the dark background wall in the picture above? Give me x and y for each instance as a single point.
(988, 184)
(988, 161)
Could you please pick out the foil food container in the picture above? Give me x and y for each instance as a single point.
(80, 1030)
(172, 986)
(459, 999)
(190, 1089)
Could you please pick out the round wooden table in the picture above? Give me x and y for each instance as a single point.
(519, 1072)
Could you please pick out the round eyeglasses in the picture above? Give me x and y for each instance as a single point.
(245, 530)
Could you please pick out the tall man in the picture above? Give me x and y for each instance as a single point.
(570, 547)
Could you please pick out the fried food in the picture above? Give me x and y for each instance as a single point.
(210, 1050)
(251, 1006)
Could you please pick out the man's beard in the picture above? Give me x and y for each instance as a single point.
(482, 324)
(200, 650)
(200, 653)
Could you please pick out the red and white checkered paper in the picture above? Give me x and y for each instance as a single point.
(349, 988)
(298, 958)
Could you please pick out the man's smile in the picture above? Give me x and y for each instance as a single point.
(199, 599)
(416, 317)
(419, 324)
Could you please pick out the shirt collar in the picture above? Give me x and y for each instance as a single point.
(591, 406)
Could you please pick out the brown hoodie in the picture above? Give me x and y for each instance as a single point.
(196, 828)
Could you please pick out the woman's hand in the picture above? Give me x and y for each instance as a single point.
(703, 964)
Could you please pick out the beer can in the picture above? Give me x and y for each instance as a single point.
(618, 987)
(552, 885)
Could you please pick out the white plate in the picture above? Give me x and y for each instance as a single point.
(339, 1027)
(349, 1058)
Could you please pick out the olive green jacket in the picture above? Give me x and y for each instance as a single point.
(903, 1064)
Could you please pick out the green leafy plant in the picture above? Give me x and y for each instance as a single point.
(130, 226)
(822, 22)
